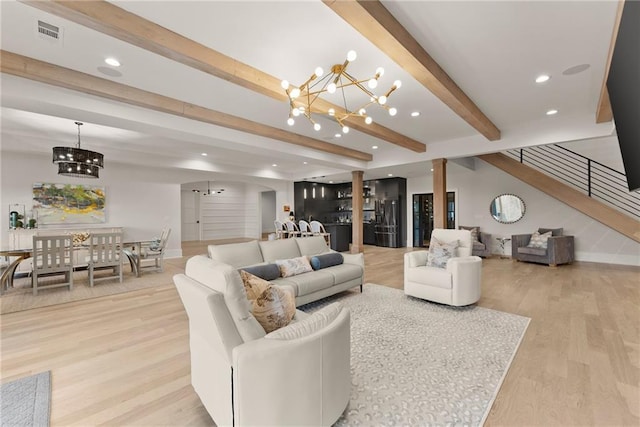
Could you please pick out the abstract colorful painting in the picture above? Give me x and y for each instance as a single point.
(68, 204)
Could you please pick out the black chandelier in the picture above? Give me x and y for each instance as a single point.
(77, 162)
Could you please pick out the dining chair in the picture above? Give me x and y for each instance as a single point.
(292, 229)
(151, 253)
(281, 230)
(52, 255)
(305, 228)
(104, 253)
(318, 230)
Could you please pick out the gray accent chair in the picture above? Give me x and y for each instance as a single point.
(482, 246)
(560, 249)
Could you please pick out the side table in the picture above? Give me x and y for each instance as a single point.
(502, 241)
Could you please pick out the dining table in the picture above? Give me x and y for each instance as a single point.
(133, 250)
(6, 279)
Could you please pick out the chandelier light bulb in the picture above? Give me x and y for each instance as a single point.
(295, 112)
(319, 72)
(317, 126)
(284, 84)
(352, 55)
(290, 121)
(373, 83)
(362, 111)
(331, 88)
(382, 100)
(393, 111)
(380, 71)
(301, 108)
(332, 112)
(295, 92)
(345, 129)
(397, 84)
(368, 120)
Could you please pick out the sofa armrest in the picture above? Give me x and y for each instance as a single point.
(300, 381)
(357, 259)
(518, 241)
(560, 249)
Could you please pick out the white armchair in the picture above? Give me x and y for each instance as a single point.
(296, 375)
(458, 284)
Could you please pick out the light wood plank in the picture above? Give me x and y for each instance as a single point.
(382, 29)
(126, 26)
(33, 69)
(603, 112)
(608, 216)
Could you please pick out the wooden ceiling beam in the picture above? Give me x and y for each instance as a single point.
(376, 23)
(604, 112)
(33, 69)
(126, 26)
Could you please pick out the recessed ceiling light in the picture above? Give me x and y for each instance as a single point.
(330, 182)
(305, 163)
(338, 135)
(576, 69)
(431, 169)
(552, 112)
(415, 114)
(113, 62)
(389, 174)
(204, 154)
(542, 78)
(274, 165)
(375, 147)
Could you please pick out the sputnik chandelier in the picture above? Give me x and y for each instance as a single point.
(301, 98)
(78, 162)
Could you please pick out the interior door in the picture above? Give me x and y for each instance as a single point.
(190, 214)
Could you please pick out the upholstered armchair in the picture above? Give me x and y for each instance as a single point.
(457, 284)
(559, 250)
(296, 375)
(482, 242)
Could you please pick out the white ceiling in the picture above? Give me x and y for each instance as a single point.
(492, 50)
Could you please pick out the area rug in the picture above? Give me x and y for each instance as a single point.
(419, 363)
(25, 401)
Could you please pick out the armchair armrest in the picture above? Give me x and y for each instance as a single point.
(560, 249)
(466, 277)
(298, 381)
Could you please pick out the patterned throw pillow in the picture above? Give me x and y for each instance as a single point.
(539, 240)
(293, 266)
(272, 306)
(440, 252)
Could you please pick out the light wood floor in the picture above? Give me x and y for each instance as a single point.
(124, 359)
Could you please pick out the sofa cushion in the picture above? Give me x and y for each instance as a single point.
(539, 240)
(432, 276)
(313, 245)
(279, 249)
(440, 252)
(308, 283)
(554, 231)
(307, 326)
(264, 271)
(273, 306)
(294, 266)
(475, 231)
(532, 251)
(344, 272)
(225, 279)
(286, 282)
(318, 262)
(237, 254)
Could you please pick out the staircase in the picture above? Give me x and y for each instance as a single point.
(589, 187)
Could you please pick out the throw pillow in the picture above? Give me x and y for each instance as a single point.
(539, 240)
(265, 271)
(293, 266)
(319, 262)
(474, 232)
(440, 252)
(272, 306)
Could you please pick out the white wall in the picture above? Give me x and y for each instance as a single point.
(137, 198)
(477, 188)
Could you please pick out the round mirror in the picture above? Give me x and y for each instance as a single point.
(507, 208)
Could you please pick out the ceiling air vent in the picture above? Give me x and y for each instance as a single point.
(49, 32)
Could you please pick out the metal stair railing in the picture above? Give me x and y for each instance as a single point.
(586, 175)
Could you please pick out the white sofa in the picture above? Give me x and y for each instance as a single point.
(309, 286)
(297, 375)
(458, 284)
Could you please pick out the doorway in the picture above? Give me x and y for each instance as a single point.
(190, 206)
(423, 217)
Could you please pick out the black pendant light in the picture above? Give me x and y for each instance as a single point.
(77, 162)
